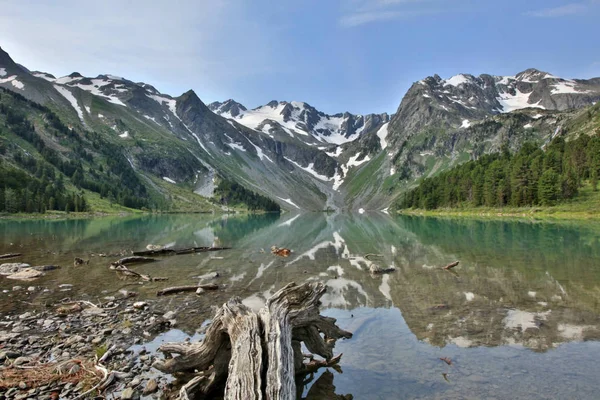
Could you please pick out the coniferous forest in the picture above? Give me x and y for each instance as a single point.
(232, 194)
(530, 177)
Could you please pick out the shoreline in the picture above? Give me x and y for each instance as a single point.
(505, 214)
(121, 214)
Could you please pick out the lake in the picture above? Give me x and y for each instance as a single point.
(519, 316)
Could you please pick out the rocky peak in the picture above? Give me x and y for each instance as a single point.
(229, 107)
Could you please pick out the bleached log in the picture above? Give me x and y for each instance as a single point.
(191, 288)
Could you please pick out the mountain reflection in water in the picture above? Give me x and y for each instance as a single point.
(519, 316)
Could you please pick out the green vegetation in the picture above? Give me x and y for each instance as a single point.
(232, 194)
(47, 165)
(531, 177)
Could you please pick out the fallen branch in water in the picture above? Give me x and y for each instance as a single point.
(9, 255)
(451, 265)
(133, 260)
(180, 289)
(173, 252)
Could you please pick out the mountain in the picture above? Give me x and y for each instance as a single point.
(301, 120)
(181, 149)
(444, 122)
(178, 143)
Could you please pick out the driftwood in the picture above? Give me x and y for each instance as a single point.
(258, 355)
(9, 255)
(376, 269)
(180, 289)
(451, 265)
(133, 260)
(173, 252)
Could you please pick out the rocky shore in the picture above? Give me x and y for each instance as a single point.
(68, 349)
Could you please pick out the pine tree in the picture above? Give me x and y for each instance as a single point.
(548, 187)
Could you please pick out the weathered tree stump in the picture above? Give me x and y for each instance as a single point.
(258, 355)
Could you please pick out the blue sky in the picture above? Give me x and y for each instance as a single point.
(338, 55)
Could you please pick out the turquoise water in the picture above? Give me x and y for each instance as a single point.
(519, 316)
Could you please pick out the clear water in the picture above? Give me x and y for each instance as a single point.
(519, 316)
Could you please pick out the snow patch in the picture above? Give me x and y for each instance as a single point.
(466, 123)
(124, 134)
(517, 101)
(457, 80)
(361, 210)
(69, 96)
(2, 72)
(528, 126)
(13, 80)
(310, 169)
(260, 153)
(236, 146)
(567, 87)
(336, 153)
(169, 180)
(537, 116)
(352, 162)
(469, 296)
(382, 134)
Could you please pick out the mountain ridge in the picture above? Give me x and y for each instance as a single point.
(297, 155)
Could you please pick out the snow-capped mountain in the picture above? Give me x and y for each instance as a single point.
(295, 154)
(468, 97)
(443, 122)
(299, 119)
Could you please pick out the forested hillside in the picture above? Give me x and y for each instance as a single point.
(231, 194)
(46, 164)
(532, 176)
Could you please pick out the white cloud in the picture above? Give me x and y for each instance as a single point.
(174, 44)
(561, 11)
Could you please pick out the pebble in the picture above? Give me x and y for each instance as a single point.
(151, 387)
(97, 340)
(127, 394)
(169, 315)
(139, 304)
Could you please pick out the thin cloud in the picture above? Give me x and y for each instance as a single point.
(562, 11)
(361, 18)
(368, 11)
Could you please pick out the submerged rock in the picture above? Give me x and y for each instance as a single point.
(11, 268)
(26, 274)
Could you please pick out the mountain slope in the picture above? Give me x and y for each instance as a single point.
(441, 123)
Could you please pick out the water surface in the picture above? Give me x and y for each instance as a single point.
(519, 316)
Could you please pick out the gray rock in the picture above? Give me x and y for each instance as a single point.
(11, 268)
(22, 360)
